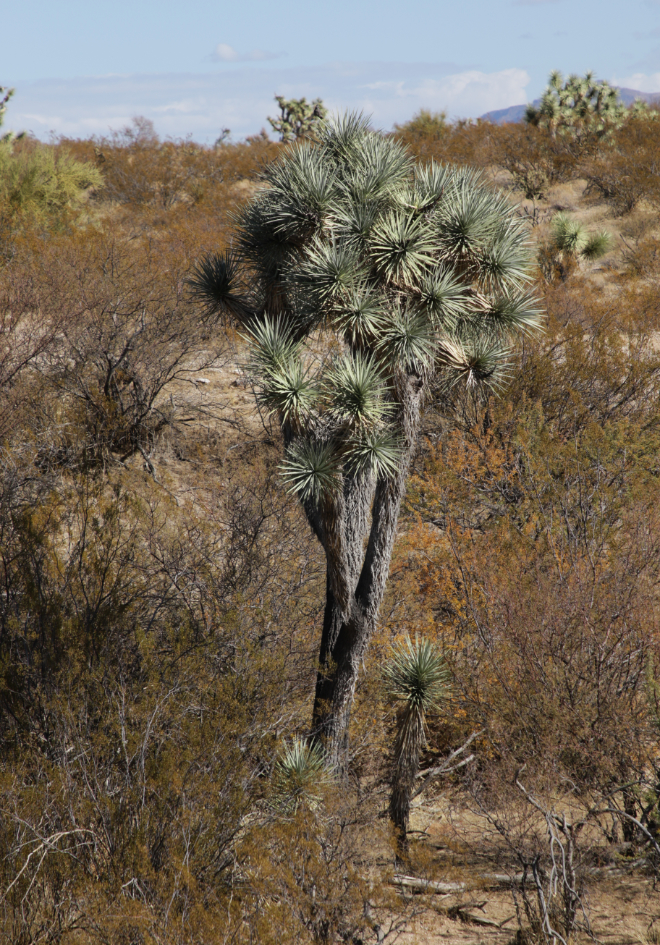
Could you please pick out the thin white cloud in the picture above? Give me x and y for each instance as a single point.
(242, 98)
(226, 53)
(463, 94)
(639, 81)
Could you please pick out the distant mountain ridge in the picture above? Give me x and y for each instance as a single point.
(516, 113)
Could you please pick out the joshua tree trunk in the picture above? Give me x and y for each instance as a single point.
(356, 579)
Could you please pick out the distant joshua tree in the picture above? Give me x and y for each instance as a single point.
(5, 95)
(298, 117)
(567, 105)
(365, 285)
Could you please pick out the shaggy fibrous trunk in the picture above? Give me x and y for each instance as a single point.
(356, 577)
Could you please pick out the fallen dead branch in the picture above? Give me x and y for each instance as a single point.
(427, 885)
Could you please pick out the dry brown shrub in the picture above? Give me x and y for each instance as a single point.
(626, 171)
(534, 158)
(140, 169)
(431, 138)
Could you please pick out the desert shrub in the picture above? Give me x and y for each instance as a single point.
(429, 136)
(125, 333)
(39, 187)
(627, 170)
(141, 170)
(150, 661)
(533, 157)
(642, 258)
(157, 632)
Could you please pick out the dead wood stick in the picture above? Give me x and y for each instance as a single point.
(427, 885)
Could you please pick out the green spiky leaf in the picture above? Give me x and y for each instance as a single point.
(597, 245)
(504, 262)
(312, 469)
(408, 340)
(569, 236)
(355, 391)
(340, 134)
(402, 247)
(475, 363)
(329, 271)
(359, 315)
(216, 282)
(443, 296)
(417, 674)
(377, 452)
(303, 191)
(272, 346)
(300, 774)
(468, 218)
(512, 312)
(289, 391)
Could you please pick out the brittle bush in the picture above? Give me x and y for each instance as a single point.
(158, 626)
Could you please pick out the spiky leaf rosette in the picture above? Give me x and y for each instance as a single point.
(356, 392)
(377, 452)
(216, 282)
(284, 385)
(416, 675)
(312, 469)
(570, 238)
(300, 774)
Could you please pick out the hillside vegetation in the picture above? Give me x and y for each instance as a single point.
(161, 593)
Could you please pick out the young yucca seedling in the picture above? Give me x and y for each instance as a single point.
(301, 773)
(571, 242)
(416, 677)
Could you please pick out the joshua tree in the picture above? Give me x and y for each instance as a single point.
(579, 102)
(298, 117)
(365, 284)
(417, 679)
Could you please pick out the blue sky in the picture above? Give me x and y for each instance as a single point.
(81, 68)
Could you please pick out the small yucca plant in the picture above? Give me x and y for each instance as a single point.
(416, 678)
(300, 774)
(570, 242)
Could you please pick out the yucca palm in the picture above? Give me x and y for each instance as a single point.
(421, 276)
(416, 679)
